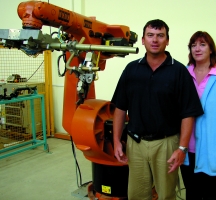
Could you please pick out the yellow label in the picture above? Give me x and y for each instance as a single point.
(107, 43)
(106, 189)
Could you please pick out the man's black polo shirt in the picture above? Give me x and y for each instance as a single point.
(158, 100)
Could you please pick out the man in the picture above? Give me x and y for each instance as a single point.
(161, 101)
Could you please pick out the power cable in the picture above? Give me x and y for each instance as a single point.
(78, 172)
(35, 71)
(63, 55)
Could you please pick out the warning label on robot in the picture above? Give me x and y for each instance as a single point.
(64, 16)
(106, 189)
(87, 24)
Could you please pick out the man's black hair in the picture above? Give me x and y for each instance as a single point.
(157, 24)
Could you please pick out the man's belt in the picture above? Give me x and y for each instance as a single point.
(138, 137)
(155, 137)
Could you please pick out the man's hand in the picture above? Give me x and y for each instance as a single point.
(176, 160)
(119, 154)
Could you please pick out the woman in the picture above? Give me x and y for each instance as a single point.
(199, 169)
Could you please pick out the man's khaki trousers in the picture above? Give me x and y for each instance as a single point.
(148, 165)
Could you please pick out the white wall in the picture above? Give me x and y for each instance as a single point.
(184, 17)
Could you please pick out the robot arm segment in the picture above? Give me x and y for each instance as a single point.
(35, 14)
(36, 40)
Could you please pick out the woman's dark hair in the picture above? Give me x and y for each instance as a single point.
(203, 36)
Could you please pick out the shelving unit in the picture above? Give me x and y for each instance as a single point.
(23, 144)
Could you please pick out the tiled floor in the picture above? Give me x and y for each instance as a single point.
(38, 175)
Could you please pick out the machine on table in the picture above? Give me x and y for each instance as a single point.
(87, 44)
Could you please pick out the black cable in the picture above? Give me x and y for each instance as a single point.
(55, 32)
(63, 55)
(77, 165)
(36, 70)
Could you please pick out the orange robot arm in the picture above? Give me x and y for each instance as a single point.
(35, 14)
(89, 120)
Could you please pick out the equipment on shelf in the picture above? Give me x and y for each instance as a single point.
(9, 91)
(15, 78)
